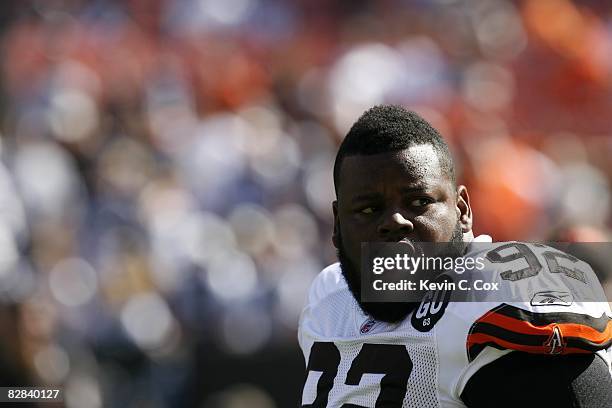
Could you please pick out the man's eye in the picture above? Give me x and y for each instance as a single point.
(367, 210)
(421, 202)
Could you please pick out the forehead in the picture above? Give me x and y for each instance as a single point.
(417, 165)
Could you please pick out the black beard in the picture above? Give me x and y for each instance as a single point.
(391, 312)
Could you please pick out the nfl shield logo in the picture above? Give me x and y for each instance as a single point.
(367, 326)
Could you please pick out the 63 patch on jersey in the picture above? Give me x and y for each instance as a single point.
(427, 359)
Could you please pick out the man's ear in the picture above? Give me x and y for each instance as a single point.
(336, 224)
(464, 210)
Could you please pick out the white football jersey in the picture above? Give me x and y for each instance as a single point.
(426, 360)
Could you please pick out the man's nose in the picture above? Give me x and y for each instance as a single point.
(395, 224)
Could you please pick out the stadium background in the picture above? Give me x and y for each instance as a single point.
(165, 173)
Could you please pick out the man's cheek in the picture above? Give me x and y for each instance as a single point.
(354, 248)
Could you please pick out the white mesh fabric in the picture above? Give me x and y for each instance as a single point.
(334, 316)
(424, 377)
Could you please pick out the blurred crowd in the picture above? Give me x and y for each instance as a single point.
(166, 167)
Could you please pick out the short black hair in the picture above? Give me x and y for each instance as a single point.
(389, 128)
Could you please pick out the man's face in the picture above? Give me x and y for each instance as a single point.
(395, 196)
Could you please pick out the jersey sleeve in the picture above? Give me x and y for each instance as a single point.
(515, 327)
(547, 302)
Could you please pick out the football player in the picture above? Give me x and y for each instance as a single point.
(395, 182)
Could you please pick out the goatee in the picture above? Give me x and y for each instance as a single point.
(391, 312)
